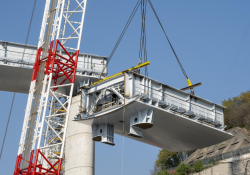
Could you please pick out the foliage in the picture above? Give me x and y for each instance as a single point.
(198, 166)
(183, 169)
(237, 113)
(154, 171)
(211, 162)
(163, 172)
(167, 159)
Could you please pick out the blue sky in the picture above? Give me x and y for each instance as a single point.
(211, 38)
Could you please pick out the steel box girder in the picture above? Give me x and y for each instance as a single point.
(170, 131)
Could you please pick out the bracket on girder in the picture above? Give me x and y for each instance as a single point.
(141, 120)
(103, 133)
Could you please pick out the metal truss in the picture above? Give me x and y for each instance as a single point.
(46, 145)
(68, 23)
(153, 93)
(101, 98)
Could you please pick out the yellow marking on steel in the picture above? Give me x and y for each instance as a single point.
(109, 107)
(57, 110)
(53, 139)
(57, 167)
(108, 103)
(51, 125)
(135, 67)
(189, 82)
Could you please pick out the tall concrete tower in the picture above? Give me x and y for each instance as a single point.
(80, 148)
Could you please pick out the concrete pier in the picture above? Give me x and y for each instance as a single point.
(80, 149)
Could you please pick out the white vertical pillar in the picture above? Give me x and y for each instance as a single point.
(80, 149)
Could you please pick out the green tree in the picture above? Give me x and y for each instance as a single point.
(167, 159)
(237, 113)
(163, 172)
(183, 169)
(198, 166)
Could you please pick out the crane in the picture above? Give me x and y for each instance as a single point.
(41, 146)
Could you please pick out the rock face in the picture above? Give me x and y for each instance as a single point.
(233, 155)
(240, 140)
(80, 149)
(227, 168)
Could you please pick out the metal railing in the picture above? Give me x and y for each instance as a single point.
(29, 59)
(109, 101)
(206, 161)
(176, 104)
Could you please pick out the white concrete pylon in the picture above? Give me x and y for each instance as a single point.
(80, 149)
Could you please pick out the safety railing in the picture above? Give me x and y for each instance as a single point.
(207, 161)
(108, 101)
(14, 58)
(184, 107)
(90, 65)
(106, 105)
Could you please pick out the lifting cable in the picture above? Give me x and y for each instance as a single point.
(122, 34)
(143, 50)
(143, 44)
(19, 71)
(182, 69)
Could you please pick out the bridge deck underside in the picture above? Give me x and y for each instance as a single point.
(9, 75)
(8, 79)
(170, 131)
(12, 57)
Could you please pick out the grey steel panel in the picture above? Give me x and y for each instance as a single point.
(170, 131)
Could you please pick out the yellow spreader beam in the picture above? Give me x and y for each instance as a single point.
(132, 68)
(190, 87)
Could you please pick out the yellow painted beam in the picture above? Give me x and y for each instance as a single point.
(189, 87)
(135, 67)
(57, 168)
(57, 110)
(53, 139)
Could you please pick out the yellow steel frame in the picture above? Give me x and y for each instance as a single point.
(120, 73)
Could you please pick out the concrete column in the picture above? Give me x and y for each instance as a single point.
(80, 149)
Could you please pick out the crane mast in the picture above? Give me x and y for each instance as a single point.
(41, 147)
